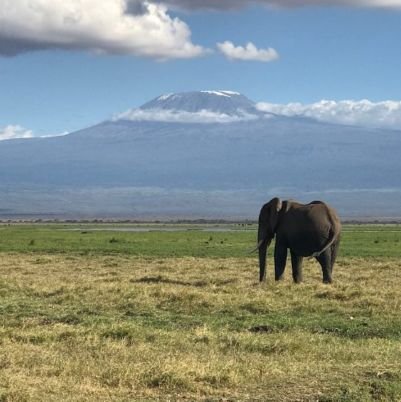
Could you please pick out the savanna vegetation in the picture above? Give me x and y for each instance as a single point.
(89, 313)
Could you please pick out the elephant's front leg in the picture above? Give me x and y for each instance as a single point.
(296, 263)
(280, 258)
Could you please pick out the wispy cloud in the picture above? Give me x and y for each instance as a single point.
(235, 4)
(386, 114)
(248, 53)
(180, 116)
(136, 27)
(14, 131)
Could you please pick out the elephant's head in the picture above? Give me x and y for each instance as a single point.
(268, 221)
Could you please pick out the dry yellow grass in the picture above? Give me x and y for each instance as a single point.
(123, 328)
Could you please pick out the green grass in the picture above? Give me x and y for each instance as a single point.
(180, 316)
(195, 241)
(85, 240)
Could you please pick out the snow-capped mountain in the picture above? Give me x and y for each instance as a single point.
(158, 168)
(227, 102)
(196, 107)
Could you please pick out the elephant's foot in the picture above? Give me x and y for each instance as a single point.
(280, 278)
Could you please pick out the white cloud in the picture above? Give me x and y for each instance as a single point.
(250, 52)
(233, 4)
(180, 116)
(14, 131)
(385, 114)
(134, 27)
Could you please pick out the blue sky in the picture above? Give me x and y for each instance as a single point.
(54, 81)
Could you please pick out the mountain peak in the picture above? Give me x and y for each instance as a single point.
(227, 102)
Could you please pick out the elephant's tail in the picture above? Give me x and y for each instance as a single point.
(334, 235)
(328, 245)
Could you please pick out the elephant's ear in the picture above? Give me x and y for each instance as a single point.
(276, 206)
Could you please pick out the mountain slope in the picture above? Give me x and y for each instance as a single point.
(164, 169)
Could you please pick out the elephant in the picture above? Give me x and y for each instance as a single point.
(308, 230)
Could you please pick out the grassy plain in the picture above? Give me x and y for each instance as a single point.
(92, 314)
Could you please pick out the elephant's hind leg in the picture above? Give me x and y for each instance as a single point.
(334, 251)
(296, 262)
(324, 260)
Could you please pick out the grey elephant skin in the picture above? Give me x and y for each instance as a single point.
(307, 230)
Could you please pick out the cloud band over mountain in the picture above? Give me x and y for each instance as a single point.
(181, 116)
(385, 114)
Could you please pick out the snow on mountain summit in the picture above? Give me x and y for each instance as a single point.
(227, 102)
(227, 94)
